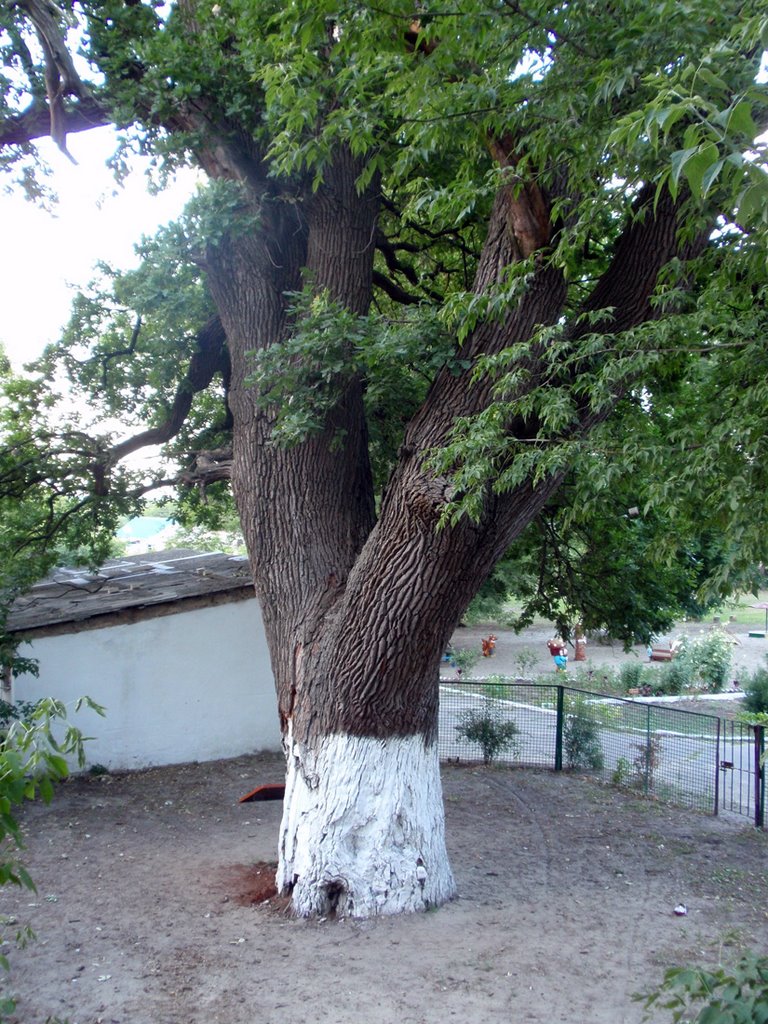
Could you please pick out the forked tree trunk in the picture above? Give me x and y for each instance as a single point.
(362, 831)
(358, 611)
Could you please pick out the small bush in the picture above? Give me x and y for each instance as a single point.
(710, 660)
(646, 762)
(606, 679)
(32, 760)
(465, 658)
(756, 692)
(621, 772)
(675, 677)
(735, 996)
(602, 679)
(581, 739)
(494, 686)
(525, 659)
(490, 729)
(632, 675)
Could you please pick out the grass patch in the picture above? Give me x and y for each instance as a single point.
(742, 612)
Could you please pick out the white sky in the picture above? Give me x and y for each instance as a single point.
(45, 256)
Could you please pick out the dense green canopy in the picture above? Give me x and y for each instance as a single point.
(596, 116)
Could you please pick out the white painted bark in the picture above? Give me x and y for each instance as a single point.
(363, 831)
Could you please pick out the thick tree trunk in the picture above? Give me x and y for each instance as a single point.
(357, 615)
(362, 832)
(358, 611)
(363, 829)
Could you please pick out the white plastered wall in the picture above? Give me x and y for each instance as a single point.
(194, 686)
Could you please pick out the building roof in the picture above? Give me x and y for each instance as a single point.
(149, 582)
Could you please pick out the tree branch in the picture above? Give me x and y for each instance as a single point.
(210, 466)
(35, 122)
(648, 242)
(119, 353)
(211, 358)
(61, 77)
(394, 291)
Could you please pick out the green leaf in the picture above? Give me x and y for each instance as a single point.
(710, 176)
(692, 136)
(46, 790)
(715, 1015)
(740, 121)
(712, 79)
(678, 160)
(752, 204)
(697, 165)
(25, 879)
(669, 116)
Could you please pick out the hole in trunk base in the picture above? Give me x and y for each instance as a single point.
(334, 894)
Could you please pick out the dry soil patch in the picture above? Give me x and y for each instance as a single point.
(146, 910)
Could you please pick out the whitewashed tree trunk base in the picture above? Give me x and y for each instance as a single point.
(363, 831)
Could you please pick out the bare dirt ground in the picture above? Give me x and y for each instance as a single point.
(566, 906)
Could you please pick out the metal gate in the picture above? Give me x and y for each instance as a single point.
(685, 757)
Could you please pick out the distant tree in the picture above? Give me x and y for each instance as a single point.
(610, 567)
(46, 518)
(450, 258)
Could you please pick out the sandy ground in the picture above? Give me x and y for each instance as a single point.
(145, 914)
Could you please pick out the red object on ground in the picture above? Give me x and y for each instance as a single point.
(270, 792)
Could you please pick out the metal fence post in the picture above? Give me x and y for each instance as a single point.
(759, 776)
(647, 747)
(559, 728)
(717, 769)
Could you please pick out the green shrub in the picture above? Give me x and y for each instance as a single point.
(622, 772)
(646, 762)
(525, 659)
(674, 677)
(710, 659)
(735, 996)
(490, 729)
(465, 658)
(701, 664)
(32, 759)
(632, 675)
(602, 679)
(494, 686)
(581, 738)
(756, 692)
(606, 679)
(35, 742)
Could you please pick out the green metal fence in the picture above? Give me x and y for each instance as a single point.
(684, 757)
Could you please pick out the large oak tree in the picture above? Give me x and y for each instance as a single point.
(563, 204)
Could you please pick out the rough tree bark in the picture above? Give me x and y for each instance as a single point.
(357, 610)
